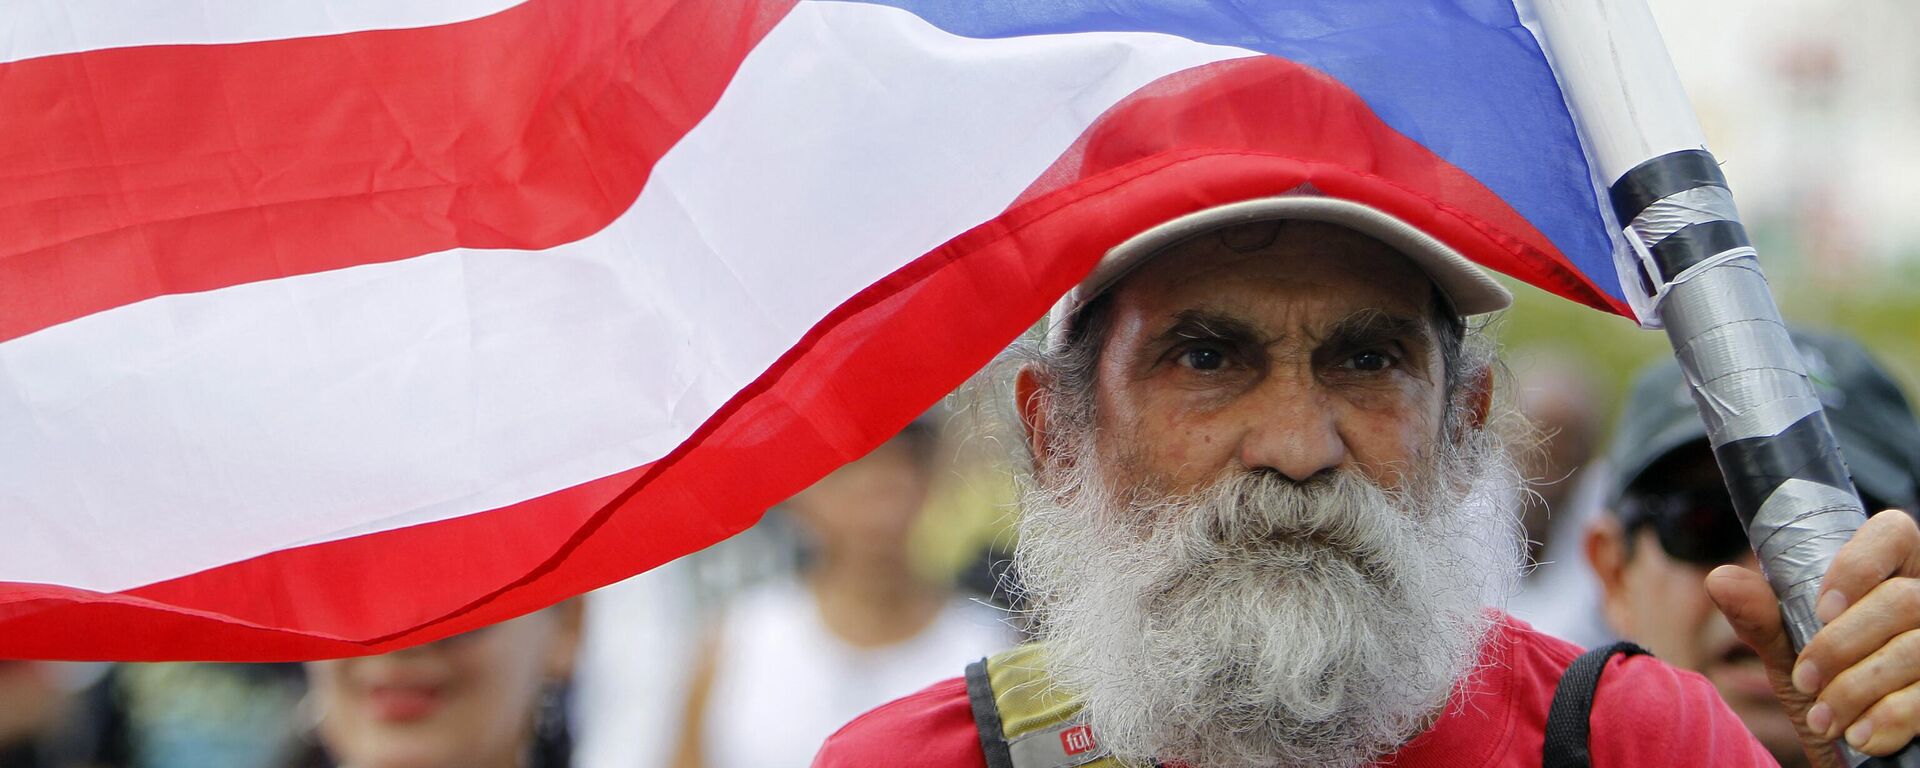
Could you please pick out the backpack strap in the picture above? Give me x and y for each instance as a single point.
(1568, 723)
(1024, 721)
(986, 716)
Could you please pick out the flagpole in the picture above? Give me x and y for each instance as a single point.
(1682, 245)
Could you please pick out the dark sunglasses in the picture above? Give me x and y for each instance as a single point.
(1697, 525)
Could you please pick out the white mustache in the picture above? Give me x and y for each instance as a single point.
(1265, 518)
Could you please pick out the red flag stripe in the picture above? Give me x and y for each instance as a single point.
(121, 180)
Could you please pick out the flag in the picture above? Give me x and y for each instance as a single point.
(330, 328)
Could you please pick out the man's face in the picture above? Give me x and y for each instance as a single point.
(1250, 541)
(1311, 354)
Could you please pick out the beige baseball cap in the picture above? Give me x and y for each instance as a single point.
(1471, 290)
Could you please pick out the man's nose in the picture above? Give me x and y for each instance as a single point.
(1293, 431)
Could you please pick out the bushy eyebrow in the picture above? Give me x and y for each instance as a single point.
(1374, 326)
(1203, 324)
(1199, 325)
(1371, 327)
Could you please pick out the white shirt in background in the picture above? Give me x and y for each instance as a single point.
(783, 682)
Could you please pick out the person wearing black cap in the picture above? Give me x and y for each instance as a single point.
(1671, 520)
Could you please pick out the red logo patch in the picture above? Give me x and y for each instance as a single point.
(1077, 739)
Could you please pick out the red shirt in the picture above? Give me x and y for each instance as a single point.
(1645, 713)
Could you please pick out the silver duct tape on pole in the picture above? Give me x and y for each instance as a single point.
(1789, 483)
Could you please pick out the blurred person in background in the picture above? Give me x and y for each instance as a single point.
(642, 634)
(793, 659)
(1671, 520)
(490, 698)
(631, 627)
(37, 705)
(1554, 392)
(187, 715)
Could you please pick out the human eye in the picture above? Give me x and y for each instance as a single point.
(1371, 361)
(1203, 357)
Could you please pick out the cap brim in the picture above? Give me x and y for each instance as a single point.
(1873, 474)
(1679, 434)
(1468, 287)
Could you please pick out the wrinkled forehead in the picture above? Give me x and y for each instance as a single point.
(1292, 276)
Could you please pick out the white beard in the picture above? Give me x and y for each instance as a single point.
(1262, 623)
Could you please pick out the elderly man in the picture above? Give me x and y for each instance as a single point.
(1256, 535)
(1670, 519)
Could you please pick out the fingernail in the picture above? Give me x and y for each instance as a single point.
(1820, 720)
(1859, 733)
(1831, 605)
(1806, 677)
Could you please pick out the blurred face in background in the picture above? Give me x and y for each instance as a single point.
(468, 700)
(867, 508)
(1655, 580)
(1557, 397)
(31, 701)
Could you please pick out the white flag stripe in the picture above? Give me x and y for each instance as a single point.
(186, 432)
(35, 28)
